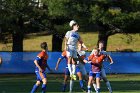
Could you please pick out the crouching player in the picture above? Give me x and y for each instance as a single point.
(41, 64)
(67, 73)
(96, 60)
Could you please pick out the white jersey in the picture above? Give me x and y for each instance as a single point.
(73, 38)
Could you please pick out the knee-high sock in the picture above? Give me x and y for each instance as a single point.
(81, 83)
(73, 68)
(95, 87)
(108, 86)
(43, 88)
(89, 89)
(64, 87)
(71, 85)
(69, 68)
(34, 88)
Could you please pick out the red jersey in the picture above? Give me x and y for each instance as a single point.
(96, 62)
(42, 59)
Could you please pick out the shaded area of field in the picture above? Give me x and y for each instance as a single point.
(22, 83)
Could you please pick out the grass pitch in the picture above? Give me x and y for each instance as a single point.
(22, 83)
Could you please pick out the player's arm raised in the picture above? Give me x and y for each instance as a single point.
(82, 43)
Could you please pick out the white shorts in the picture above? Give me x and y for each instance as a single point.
(103, 74)
(71, 51)
(83, 69)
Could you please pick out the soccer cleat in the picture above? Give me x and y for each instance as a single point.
(73, 77)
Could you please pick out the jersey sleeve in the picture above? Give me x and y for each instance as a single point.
(67, 34)
(90, 57)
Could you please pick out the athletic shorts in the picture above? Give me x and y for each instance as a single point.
(71, 52)
(95, 74)
(68, 73)
(82, 69)
(40, 75)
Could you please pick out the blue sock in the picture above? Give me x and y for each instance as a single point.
(34, 88)
(43, 88)
(81, 83)
(89, 89)
(98, 89)
(64, 87)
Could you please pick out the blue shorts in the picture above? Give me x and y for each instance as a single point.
(68, 73)
(40, 75)
(95, 75)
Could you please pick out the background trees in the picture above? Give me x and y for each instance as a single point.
(108, 17)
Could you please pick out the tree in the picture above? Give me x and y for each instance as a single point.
(17, 18)
(115, 16)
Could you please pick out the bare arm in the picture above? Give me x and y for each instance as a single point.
(110, 59)
(57, 64)
(37, 65)
(0, 60)
(82, 43)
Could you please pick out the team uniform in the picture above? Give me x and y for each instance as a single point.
(103, 73)
(73, 38)
(96, 65)
(41, 59)
(64, 55)
(82, 55)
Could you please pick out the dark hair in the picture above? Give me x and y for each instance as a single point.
(43, 45)
(74, 24)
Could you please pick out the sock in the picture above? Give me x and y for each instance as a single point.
(73, 68)
(69, 68)
(43, 88)
(98, 90)
(95, 87)
(64, 87)
(108, 86)
(34, 88)
(81, 83)
(71, 85)
(89, 89)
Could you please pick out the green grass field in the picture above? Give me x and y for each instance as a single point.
(22, 83)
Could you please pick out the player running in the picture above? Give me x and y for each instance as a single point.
(41, 65)
(67, 73)
(71, 39)
(96, 60)
(103, 74)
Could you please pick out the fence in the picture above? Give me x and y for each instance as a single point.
(22, 62)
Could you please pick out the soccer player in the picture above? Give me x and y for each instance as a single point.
(67, 73)
(81, 64)
(96, 60)
(41, 65)
(71, 39)
(103, 74)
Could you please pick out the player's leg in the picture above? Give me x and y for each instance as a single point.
(69, 55)
(90, 81)
(103, 75)
(94, 84)
(65, 80)
(98, 82)
(44, 81)
(36, 85)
